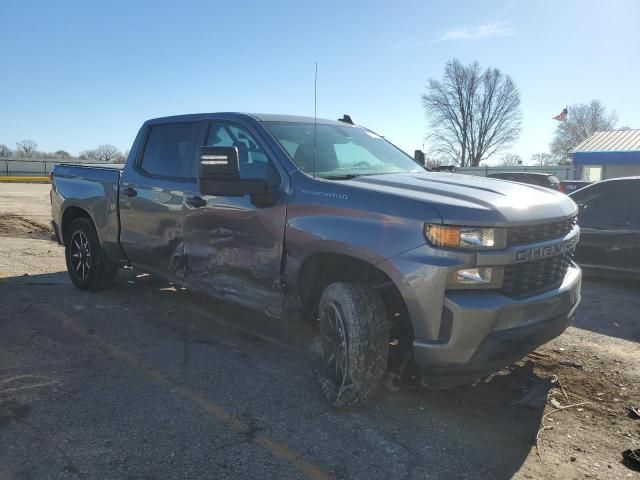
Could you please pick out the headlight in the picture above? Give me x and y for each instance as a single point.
(476, 277)
(470, 238)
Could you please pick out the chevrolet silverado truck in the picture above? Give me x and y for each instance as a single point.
(326, 222)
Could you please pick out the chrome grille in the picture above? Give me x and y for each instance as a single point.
(539, 233)
(535, 276)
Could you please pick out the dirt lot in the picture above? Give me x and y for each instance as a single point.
(146, 381)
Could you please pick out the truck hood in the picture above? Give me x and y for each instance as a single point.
(473, 200)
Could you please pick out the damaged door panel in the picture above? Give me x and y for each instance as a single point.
(233, 245)
(233, 249)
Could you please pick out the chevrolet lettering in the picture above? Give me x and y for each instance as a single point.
(547, 250)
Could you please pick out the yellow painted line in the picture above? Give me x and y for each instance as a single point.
(24, 179)
(276, 448)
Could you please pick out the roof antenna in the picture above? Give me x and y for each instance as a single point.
(315, 117)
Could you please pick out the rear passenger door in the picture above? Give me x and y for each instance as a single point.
(153, 192)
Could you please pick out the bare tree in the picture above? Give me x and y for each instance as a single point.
(103, 154)
(26, 148)
(61, 154)
(472, 113)
(510, 160)
(582, 121)
(5, 151)
(543, 159)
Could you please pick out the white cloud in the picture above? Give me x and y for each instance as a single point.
(476, 33)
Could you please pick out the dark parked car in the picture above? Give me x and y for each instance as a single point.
(609, 218)
(445, 168)
(570, 186)
(541, 179)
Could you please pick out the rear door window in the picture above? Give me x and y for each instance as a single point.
(628, 204)
(170, 150)
(609, 205)
(522, 178)
(553, 179)
(540, 180)
(503, 176)
(552, 182)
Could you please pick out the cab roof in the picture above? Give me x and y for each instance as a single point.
(260, 117)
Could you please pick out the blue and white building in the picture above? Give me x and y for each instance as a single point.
(609, 154)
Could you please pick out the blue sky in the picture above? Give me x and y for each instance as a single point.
(77, 74)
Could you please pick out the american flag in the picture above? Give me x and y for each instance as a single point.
(562, 116)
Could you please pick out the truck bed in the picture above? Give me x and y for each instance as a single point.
(93, 188)
(86, 167)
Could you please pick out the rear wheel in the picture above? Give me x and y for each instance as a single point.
(350, 350)
(88, 267)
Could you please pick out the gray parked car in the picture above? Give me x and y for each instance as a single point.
(328, 223)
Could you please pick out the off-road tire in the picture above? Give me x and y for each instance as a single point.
(366, 343)
(98, 272)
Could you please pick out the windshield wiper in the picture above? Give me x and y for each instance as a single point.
(347, 176)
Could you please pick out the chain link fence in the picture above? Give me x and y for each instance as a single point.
(32, 167)
(567, 172)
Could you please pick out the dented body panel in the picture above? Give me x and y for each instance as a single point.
(234, 250)
(252, 252)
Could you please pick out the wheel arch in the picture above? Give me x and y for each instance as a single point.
(71, 213)
(320, 269)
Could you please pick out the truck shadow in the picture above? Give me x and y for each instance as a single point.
(484, 425)
(478, 431)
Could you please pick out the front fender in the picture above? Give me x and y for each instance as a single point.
(365, 237)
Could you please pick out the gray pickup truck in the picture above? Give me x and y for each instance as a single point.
(327, 223)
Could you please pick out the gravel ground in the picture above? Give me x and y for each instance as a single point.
(146, 381)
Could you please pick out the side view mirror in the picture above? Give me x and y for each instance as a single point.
(219, 174)
(418, 156)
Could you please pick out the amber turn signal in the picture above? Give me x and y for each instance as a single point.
(442, 235)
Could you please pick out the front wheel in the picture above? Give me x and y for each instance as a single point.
(350, 350)
(88, 267)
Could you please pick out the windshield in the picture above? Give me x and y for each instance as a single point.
(340, 150)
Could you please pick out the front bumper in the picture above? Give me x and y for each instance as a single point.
(488, 331)
(461, 335)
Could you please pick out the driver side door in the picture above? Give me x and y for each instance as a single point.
(234, 244)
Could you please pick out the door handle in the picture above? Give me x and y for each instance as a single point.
(196, 202)
(130, 192)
